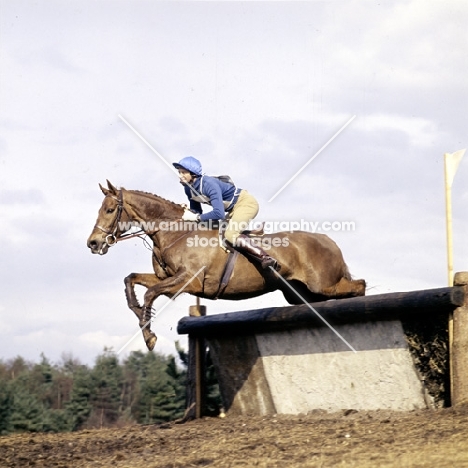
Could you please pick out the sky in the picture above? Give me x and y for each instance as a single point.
(367, 95)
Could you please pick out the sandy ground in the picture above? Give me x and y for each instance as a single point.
(423, 438)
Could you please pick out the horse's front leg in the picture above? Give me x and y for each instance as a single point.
(172, 286)
(148, 280)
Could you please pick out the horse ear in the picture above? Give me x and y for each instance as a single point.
(104, 190)
(111, 187)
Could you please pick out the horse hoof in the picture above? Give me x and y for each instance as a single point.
(151, 342)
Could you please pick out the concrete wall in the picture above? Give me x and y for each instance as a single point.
(297, 371)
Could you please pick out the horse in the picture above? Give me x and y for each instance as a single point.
(187, 259)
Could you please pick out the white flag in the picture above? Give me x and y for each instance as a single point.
(451, 165)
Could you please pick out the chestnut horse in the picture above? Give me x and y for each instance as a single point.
(190, 260)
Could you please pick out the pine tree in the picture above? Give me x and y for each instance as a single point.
(6, 403)
(27, 412)
(107, 378)
(44, 383)
(17, 366)
(158, 393)
(178, 379)
(79, 407)
(40, 381)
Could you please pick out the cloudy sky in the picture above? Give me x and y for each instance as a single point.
(253, 89)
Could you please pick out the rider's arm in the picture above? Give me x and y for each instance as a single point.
(212, 189)
(194, 205)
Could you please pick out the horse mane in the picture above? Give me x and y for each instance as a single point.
(153, 195)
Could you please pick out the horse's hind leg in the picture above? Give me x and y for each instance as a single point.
(148, 280)
(299, 293)
(346, 288)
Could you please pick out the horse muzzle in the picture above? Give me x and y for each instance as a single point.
(98, 247)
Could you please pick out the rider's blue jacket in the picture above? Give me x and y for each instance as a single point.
(222, 196)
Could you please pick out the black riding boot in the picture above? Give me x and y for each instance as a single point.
(246, 244)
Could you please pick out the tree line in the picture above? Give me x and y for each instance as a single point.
(145, 388)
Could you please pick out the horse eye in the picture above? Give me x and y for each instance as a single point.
(110, 210)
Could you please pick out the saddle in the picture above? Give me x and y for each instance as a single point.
(232, 254)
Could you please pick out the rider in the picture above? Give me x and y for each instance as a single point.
(233, 204)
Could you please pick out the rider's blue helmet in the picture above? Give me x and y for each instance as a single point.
(191, 164)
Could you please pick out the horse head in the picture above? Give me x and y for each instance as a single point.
(121, 208)
(111, 217)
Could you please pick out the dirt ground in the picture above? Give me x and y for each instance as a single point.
(423, 438)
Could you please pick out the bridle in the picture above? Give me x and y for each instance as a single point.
(111, 233)
(111, 237)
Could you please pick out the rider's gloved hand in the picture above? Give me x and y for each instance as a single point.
(190, 216)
